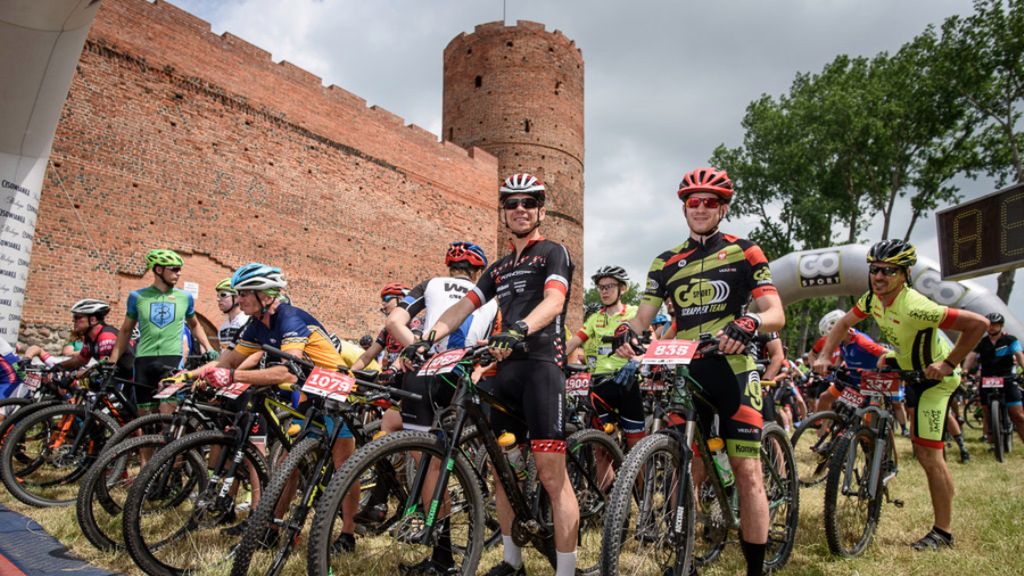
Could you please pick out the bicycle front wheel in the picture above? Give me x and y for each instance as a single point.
(812, 445)
(50, 450)
(458, 535)
(645, 532)
(851, 515)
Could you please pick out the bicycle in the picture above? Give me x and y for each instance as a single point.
(309, 463)
(48, 451)
(863, 463)
(656, 516)
(1000, 427)
(817, 436)
(415, 528)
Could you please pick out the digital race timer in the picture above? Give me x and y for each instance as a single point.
(982, 236)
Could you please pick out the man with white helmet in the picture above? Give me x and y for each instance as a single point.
(235, 319)
(99, 338)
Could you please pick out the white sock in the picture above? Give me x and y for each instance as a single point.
(513, 555)
(566, 563)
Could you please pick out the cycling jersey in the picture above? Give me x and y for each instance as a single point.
(392, 347)
(295, 331)
(600, 359)
(9, 380)
(161, 320)
(710, 283)
(101, 345)
(996, 358)
(911, 323)
(519, 283)
(230, 330)
(435, 296)
(860, 353)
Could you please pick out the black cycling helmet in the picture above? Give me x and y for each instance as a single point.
(893, 251)
(614, 272)
(995, 318)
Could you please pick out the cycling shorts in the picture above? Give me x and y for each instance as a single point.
(437, 394)
(535, 392)
(730, 387)
(149, 370)
(929, 402)
(1010, 391)
(613, 402)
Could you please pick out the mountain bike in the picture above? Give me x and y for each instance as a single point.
(658, 521)
(1000, 427)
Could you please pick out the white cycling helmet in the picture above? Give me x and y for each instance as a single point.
(828, 321)
(89, 306)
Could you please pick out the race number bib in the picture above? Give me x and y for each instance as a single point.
(877, 383)
(852, 397)
(443, 363)
(32, 380)
(992, 382)
(233, 391)
(652, 385)
(329, 384)
(170, 390)
(578, 384)
(670, 352)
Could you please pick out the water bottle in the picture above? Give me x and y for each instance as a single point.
(507, 441)
(721, 460)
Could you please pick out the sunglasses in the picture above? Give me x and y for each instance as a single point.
(873, 270)
(173, 268)
(604, 287)
(223, 295)
(527, 203)
(712, 203)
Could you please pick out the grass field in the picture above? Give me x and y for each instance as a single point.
(988, 526)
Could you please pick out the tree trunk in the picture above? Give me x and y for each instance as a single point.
(1004, 285)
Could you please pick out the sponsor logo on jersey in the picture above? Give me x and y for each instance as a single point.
(701, 292)
(819, 269)
(161, 313)
(681, 263)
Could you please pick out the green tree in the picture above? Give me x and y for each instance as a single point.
(982, 63)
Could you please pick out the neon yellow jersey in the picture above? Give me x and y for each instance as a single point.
(911, 325)
(602, 324)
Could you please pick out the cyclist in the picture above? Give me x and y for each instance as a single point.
(390, 296)
(294, 331)
(996, 355)
(615, 395)
(710, 278)
(98, 337)
(161, 312)
(532, 286)
(910, 322)
(234, 318)
(9, 378)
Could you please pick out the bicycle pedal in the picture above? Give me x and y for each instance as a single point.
(897, 503)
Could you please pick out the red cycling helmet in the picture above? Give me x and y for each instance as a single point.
(706, 180)
(465, 252)
(394, 289)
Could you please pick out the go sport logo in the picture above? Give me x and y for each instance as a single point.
(819, 269)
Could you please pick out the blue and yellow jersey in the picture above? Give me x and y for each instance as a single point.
(295, 331)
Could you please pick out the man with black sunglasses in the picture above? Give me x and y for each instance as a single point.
(911, 323)
(235, 320)
(531, 284)
(710, 280)
(161, 312)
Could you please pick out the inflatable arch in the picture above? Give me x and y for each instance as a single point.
(42, 42)
(843, 271)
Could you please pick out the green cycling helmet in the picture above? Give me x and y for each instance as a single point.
(225, 286)
(163, 258)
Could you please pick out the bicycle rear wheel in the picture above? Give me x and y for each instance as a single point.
(812, 445)
(995, 428)
(397, 542)
(780, 484)
(851, 515)
(644, 531)
(50, 450)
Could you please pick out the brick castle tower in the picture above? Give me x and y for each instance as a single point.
(517, 92)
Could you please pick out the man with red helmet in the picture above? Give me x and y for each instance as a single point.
(711, 278)
(531, 284)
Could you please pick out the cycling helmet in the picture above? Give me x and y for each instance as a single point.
(467, 252)
(365, 341)
(90, 307)
(615, 272)
(522, 184)
(163, 258)
(893, 251)
(394, 289)
(225, 286)
(995, 318)
(828, 321)
(659, 320)
(706, 180)
(256, 276)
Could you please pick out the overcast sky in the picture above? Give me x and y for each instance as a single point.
(665, 81)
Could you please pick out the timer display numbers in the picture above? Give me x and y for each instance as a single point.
(982, 236)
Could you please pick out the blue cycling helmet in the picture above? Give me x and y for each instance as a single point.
(465, 252)
(256, 276)
(659, 320)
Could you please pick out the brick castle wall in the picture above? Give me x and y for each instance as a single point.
(517, 92)
(175, 137)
